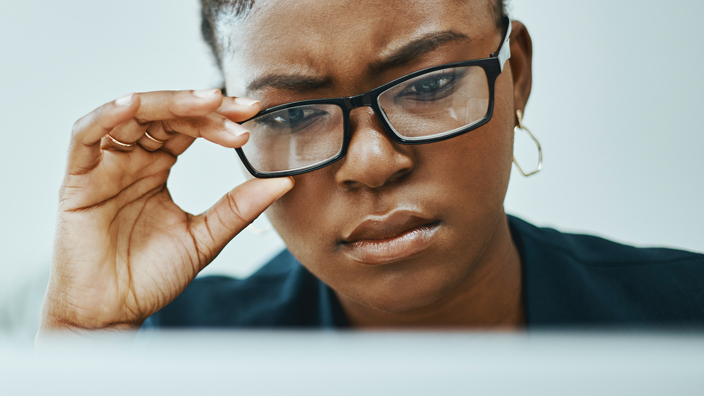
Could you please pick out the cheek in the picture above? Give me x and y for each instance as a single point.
(492, 152)
(473, 170)
(301, 217)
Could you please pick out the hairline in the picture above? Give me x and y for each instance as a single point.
(212, 10)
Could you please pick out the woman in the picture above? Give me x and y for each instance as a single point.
(387, 185)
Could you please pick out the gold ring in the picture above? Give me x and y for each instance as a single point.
(153, 139)
(119, 143)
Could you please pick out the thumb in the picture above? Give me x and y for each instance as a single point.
(233, 212)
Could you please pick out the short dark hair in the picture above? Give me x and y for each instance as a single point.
(211, 8)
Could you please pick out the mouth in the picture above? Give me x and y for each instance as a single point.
(386, 239)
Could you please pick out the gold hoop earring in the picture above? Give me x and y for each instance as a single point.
(520, 127)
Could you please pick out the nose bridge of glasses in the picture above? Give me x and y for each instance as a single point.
(354, 102)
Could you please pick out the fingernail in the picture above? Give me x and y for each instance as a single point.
(205, 93)
(125, 100)
(235, 129)
(286, 185)
(246, 101)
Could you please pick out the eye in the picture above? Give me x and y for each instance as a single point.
(430, 84)
(290, 118)
(430, 87)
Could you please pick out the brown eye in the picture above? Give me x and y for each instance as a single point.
(430, 87)
(290, 118)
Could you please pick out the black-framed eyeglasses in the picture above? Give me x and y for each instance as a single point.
(426, 106)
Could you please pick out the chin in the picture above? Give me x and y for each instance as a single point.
(409, 291)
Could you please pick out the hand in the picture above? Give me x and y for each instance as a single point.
(123, 249)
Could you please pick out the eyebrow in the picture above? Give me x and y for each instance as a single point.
(410, 51)
(397, 58)
(290, 82)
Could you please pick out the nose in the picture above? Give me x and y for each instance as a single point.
(373, 159)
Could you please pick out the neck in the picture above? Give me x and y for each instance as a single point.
(488, 298)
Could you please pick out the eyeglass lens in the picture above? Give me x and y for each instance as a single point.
(294, 138)
(437, 103)
(430, 105)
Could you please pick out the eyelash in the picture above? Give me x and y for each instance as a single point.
(451, 76)
(271, 122)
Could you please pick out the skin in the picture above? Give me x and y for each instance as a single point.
(115, 264)
(123, 249)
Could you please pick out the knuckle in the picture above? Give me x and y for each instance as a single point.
(235, 210)
(142, 122)
(84, 123)
(76, 128)
(146, 146)
(168, 126)
(80, 125)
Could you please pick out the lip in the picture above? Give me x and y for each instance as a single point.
(384, 239)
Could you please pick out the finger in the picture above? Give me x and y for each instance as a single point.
(178, 144)
(181, 133)
(167, 105)
(216, 227)
(213, 127)
(123, 137)
(157, 131)
(162, 105)
(84, 149)
(239, 109)
(154, 137)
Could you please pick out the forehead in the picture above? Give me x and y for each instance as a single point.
(333, 38)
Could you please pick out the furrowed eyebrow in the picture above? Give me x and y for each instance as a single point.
(399, 57)
(414, 49)
(298, 83)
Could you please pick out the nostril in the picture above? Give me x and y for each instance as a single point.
(376, 184)
(398, 176)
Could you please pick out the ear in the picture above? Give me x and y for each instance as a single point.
(521, 64)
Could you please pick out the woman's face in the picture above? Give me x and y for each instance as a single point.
(390, 226)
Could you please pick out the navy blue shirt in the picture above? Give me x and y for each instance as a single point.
(568, 281)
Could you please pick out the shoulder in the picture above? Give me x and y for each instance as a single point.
(281, 294)
(592, 250)
(584, 280)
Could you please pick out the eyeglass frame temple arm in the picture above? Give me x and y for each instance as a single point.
(504, 52)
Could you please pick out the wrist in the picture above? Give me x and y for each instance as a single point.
(61, 319)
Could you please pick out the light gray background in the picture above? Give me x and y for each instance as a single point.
(616, 103)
